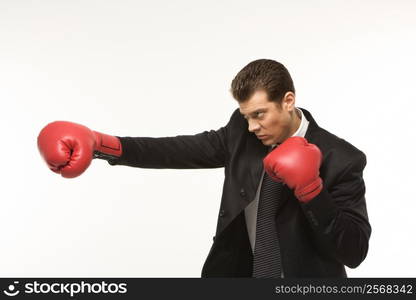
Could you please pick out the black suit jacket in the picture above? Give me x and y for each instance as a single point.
(316, 239)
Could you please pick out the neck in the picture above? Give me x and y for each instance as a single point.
(296, 121)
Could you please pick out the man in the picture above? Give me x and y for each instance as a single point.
(293, 202)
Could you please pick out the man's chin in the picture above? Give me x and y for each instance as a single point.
(267, 142)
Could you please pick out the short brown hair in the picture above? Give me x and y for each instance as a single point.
(262, 74)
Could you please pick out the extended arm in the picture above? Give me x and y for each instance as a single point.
(204, 150)
(68, 149)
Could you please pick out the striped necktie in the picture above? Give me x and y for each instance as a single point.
(267, 260)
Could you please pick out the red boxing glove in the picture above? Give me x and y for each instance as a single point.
(296, 163)
(68, 148)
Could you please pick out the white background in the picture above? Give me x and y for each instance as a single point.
(163, 68)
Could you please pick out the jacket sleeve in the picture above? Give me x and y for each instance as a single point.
(338, 216)
(203, 150)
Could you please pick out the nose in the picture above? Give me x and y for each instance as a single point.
(253, 126)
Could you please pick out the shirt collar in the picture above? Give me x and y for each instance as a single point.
(304, 123)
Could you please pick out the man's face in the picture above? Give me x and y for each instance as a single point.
(270, 122)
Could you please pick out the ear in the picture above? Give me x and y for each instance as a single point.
(288, 102)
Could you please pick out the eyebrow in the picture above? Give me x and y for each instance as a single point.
(254, 111)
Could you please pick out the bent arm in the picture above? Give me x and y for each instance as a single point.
(339, 218)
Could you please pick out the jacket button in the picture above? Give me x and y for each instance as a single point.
(242, 193)
(222, 213)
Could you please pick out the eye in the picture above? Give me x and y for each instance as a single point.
(259, 114)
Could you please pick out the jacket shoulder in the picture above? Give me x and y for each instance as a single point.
(330, 144)
(339, 156)
(330, 141)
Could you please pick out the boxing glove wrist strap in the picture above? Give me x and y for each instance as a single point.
(310, 191)
(107, 147)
